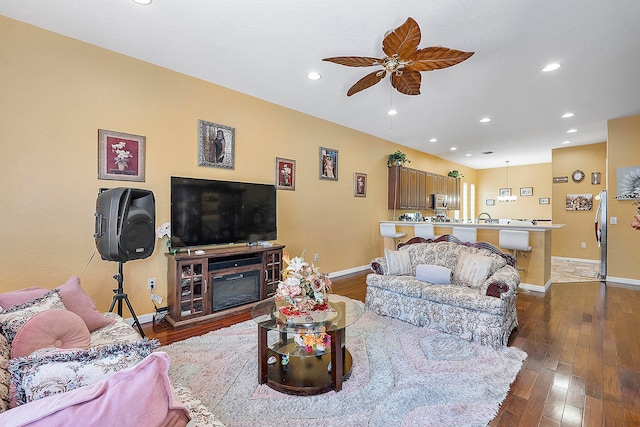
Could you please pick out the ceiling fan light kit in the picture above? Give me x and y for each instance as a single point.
(403, 60)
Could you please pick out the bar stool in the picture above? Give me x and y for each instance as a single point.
(465, 234)
(516, 240)
(389, 230)
(426, 231)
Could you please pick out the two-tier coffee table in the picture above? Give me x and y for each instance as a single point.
(306, 373)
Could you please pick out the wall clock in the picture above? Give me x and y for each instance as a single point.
(577, 176)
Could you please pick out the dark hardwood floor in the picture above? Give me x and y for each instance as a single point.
(583, 342)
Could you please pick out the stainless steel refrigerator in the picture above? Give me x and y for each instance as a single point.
(601, 231)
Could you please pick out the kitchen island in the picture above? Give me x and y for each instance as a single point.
(534, 266)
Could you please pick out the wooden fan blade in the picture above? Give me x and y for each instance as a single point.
(367, 81)
(354, 61)
(435, 58)
(407, 81)
(402, 41)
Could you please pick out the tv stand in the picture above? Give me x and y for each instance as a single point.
(253, 271)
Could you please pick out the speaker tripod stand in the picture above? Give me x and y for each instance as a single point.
(120, 296)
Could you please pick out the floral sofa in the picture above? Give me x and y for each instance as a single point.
(64, 363)
(464, 289)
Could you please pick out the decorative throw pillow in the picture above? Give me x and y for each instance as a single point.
(472, 269)
(73, 296)
(76, 300)
(4, 374)
(9, 299)
(12, 319)
(398, 262)
(434, 274)
(58, 329)
(36, 377)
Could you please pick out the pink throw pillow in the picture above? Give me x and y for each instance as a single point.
(51, 328)
(73, 297)
(10, 299)
(76, 300)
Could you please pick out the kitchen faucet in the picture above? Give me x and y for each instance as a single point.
(486, 220)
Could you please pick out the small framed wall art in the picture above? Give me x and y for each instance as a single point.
(121, 156)
(526, 191)
(216, 145)
(504, 192)
(543, 201)
(328, 164)
(359, 184)
(579, 202)
(285, 174)
(490, 202)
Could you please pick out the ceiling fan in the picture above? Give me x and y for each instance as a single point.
(403, 60)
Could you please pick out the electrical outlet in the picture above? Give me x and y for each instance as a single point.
(151, 283)
(614, 220)
(316, 257)
(584, 245)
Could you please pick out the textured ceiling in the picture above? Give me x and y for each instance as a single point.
(266, 48)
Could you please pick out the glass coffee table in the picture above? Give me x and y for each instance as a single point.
(287, 366)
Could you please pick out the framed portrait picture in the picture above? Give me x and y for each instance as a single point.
(490, 202)
(216, 145)
(328, 164)
(120, 156)
(504, 192)
(579, 202)
(285, 174)
(543, 201)
(360, 184)
(526, 191)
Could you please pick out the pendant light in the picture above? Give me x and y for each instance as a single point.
(505, 193)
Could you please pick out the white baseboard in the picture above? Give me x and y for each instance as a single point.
(623, 280)
(536, 288)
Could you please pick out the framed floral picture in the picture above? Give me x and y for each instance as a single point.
(328, 164)
(121, 156)
(285, 174)
(360, 184)
(216, 145)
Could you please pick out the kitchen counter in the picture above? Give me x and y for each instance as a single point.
(534, 265)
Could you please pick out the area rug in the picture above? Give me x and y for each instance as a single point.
(402, 375)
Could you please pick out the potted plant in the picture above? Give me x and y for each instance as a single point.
(397, 159)
(455, 174)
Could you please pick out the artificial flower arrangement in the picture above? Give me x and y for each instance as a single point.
(303, 287)
(636, 218)
(312, 341)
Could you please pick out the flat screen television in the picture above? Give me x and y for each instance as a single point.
(211, 212)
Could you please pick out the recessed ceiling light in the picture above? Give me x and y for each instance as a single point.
(452, 149)
(485, 120)
(392, 112)
(143, 1)
(572, 131)
(566, 142)
(551, 67)
(314, 76)
(433, 140)
(467, 155)
(567, 115)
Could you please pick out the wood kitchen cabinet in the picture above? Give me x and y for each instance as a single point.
(412, 188)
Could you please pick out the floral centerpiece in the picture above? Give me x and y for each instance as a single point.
(636, 218)
(303, 288)
(313, 341)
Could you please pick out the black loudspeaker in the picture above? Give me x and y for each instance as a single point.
(125, 224)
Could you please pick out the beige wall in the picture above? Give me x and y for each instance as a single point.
(492, 180)
(579, 229)
(57, 92)
(624, 241)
